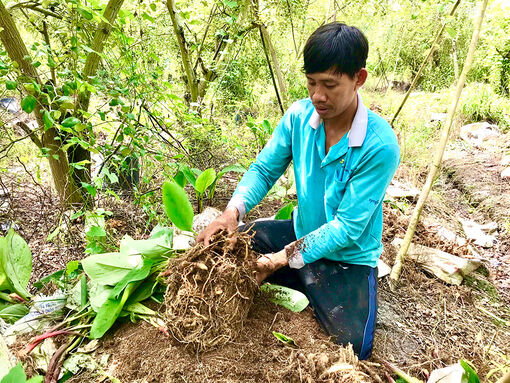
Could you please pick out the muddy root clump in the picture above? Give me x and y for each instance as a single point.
(210, 291)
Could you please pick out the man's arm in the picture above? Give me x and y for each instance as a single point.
(257, 181)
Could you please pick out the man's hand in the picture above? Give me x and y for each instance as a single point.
(267, 264)
(227, 221)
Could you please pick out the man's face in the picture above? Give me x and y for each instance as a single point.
(333, 93)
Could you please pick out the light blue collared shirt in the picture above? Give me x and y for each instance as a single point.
(340, 194)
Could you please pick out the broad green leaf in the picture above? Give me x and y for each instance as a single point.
(284, 339)
(205, 180)
(15, 375)
(139, 273)
(190, 176)
(180, 179)
(109, 268)
(158, 244)
(153, 248)
(470, 373)
(11, 85)
(69, 122)
(48, 121)
(143, 292)
(96, 231)
(15, 264)
(98, 294)
(267, 127)
(177, 205)
(109, 312)
(28, 103)
(13, 312)
(286, 297)
(286, 211)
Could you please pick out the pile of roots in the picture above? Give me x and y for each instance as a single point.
(210, 291)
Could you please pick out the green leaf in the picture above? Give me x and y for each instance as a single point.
(28, 103)
(109, 268)
(86, 14)
(12, 313)
(205, 180)
(35, 379)
(48, 121)
(177, 205)
(11, 85)
(190, 176)
(15, 375)
(143, 292)
(286, 211)
(154, 247)
(470, 373)
(139, 273)
(109, 312)
(72, 266)
(286, 297)
(98, 294)
(180, 178)
(69, 122)
(96, 231)
(267, 127)
(148, 17)
(285, 339)
(139, 308)
(15, 264)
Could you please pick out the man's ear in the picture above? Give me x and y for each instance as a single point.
(361, 77)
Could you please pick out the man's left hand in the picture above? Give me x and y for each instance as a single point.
(267, 264)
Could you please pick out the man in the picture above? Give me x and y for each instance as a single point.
(344, 157)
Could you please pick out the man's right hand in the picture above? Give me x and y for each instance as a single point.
(227, 221)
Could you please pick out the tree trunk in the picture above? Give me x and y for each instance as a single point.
(17, 51)
(429, 55)
(186, 57)
(436, 163)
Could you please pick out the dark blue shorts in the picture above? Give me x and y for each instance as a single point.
(343, 296)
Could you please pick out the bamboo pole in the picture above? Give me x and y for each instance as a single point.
(436, 164)
(420, 70)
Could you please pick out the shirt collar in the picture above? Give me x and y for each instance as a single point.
(358, 128)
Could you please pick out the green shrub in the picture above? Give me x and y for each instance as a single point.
(479, 102)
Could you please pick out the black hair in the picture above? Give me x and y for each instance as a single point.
(336, 46)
